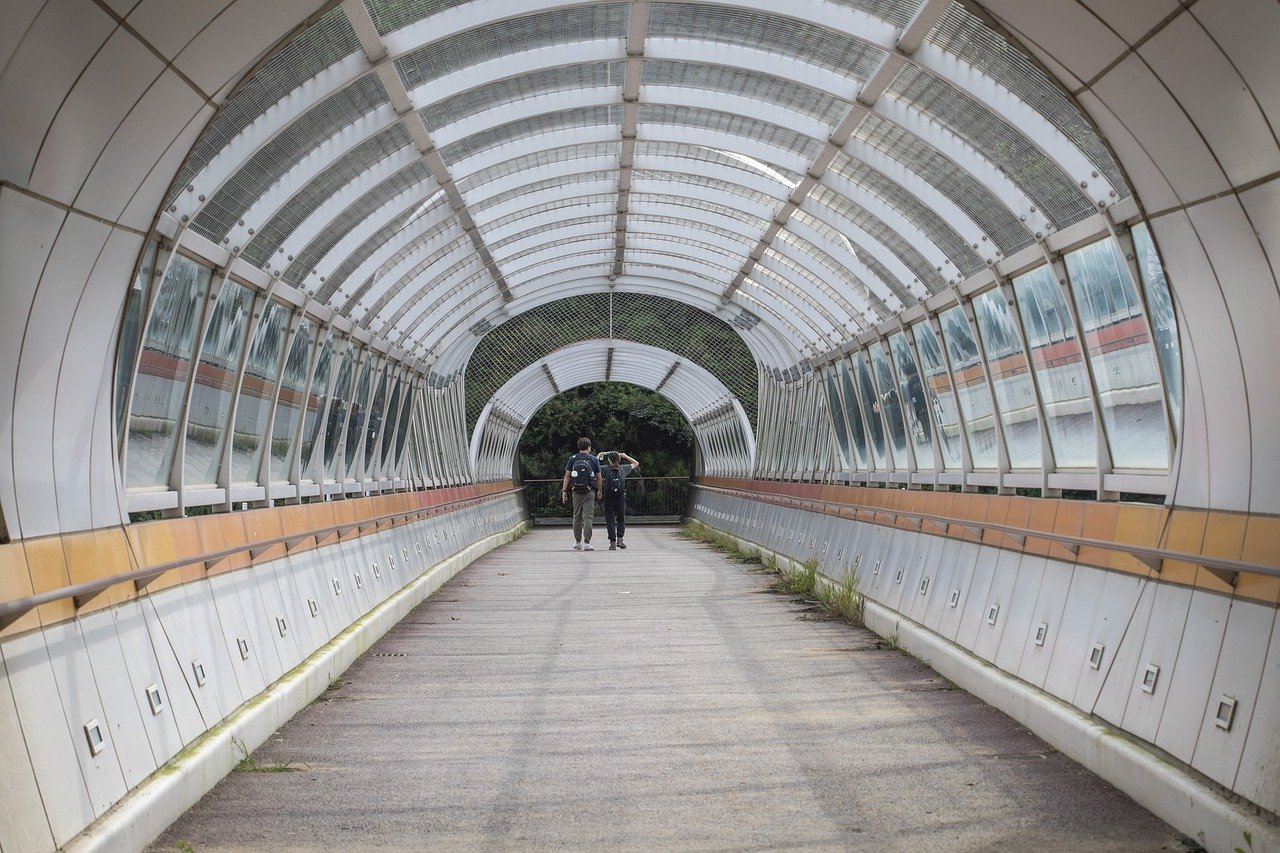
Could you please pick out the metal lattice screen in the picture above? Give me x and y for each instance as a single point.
(654, 320)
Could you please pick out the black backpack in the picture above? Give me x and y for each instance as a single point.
(581, 476)
(613, 482)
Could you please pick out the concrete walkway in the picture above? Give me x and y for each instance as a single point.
(656, 697)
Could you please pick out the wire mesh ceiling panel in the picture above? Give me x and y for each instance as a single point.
(663, 323)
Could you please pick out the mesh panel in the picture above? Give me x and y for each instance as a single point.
(541, 186)
(958, 185)
(591, 75)
(535, 159)
(751, 84)
(547, 207)
(899, 12)
(444, 226)
(546, 123)
(639, 176)
(390, 15)
(280, 155)
(1039, 177)
(411, 276)
(380, 238)
(738, 125)
(349, 167)
(316, 48)
(890, 281)
(839, 272)
(471, 270)
(640, 200)
(962, 34)
(706, 154)
(682, 329)
(589, 227)
(891, 239)
(361, 210)
(547, 29)
(825, 48)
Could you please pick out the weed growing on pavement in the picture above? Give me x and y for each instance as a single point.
(842, 599)
(249, 764)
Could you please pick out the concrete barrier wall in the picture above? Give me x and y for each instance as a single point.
(92, 707)
(1193, 672)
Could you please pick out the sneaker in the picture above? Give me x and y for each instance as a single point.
(622, 545)
(586, 546)
(577, 546)
(612, 546)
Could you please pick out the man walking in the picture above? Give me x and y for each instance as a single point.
(619, 465)
(582, 475)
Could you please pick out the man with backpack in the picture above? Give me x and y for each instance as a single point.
(618, 466)
(582, 477)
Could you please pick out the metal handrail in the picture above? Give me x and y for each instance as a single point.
(82, 593)
(1224, 568)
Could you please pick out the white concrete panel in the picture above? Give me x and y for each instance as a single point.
(965, 558)
(1160, 645)
(231, 610)
(235, 38)
(1253, 301)
(305, 584)
(1050, 605)
(1192, 676)
(1145, 178)
(1215, 97)
(137, 144)
(168, 27)
(976, 599)
(273, 608)
(114, 81)
(942, 559)
(144, 670)
(924, 564)
(1238, 677)
(1156, 121)
(106, 500)
(1123, 661)
(182, 695)
(897, 566)
(192, 637)
(140, 212)
(53, 53)
(1019, 611)
(18, 16)
(1118, 608)
(1074, 634)
(1258, 778)
(61, 284)
(1245, 30)
(990, 638)
(1132, 19)
(1191, 483)
(80, 701)
(1206, 321)
(45, 729)
(1077, 38)
(23, 824)
(123, 716)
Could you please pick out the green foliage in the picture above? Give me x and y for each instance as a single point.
(799, 581)
(615, 416)
(249, 764)
(843, 599)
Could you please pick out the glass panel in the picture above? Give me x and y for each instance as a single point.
(887, 401)
(971, 385)
(870, 410)
(1059, 368)
(836, 408)
(256, 391)
(338, 406)
(292, 385)
(1124, 362)
(941, 398)
(373, 428)
(356, 420)
(131, 334)
(1011, 378)
(1163, 319)
(403, 429)
(853, 415)
(316, 399)
(163, 368)
(389, 430)
(916, 410)
(215, 384)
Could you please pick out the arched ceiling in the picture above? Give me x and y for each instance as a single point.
(424, 166)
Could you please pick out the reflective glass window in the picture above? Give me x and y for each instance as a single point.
(257, 389)
(914, 399)
(887, 403)
(357, 417)
(373, 424)
(389, 426)
(317, 397)
(215, 384)
(1124, 362)
(870, 410)
(131, 333)
(939, 396)
(1015, 398)
(292, 387)
(853, 415)
(1060, 369)
(1163, 320)
(403, 429)
(160, 387)
(836, 408)
(337, 414)
(971, 386)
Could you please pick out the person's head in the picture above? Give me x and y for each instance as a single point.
(612, 458)
(584, 444)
